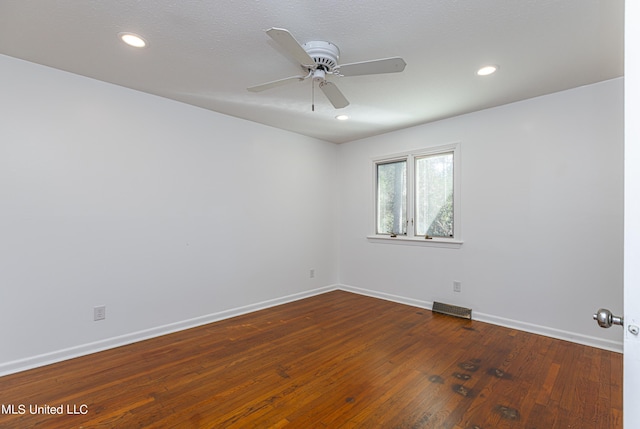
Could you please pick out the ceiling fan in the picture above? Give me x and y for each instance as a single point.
(319, 59)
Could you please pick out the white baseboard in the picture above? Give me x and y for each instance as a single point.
(614, 346)
(586, 340)
(388, 297)
(109, 343)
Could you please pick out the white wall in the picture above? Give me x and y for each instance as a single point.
(163, 212)
(172, 215)
(542, 216)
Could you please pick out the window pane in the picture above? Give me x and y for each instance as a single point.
(434, 195)
(392, 198)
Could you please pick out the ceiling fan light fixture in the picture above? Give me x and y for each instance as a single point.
(132, 39)
(487, 70)
(319, 75)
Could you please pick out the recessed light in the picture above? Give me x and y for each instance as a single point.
(486, 70)
(342, 117)
(132, 39)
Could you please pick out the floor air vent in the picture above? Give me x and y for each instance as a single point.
(451, 310)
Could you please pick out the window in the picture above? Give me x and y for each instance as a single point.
(392, 197)
(417, 195)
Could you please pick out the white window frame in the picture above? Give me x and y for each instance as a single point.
(410, 238)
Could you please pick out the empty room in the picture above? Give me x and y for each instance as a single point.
(322, 215)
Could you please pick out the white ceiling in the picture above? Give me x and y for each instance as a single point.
(206, 53)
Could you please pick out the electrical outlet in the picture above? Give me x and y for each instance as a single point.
(312, 273)
(99, 313)
(457, 286)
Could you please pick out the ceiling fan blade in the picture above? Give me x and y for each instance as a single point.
(334, 95)
(275, 83)
(291, 45)
(386, 65)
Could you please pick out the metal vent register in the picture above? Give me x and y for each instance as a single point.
(451, 310)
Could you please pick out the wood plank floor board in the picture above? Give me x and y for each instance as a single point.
(615, 391)
(337, 360)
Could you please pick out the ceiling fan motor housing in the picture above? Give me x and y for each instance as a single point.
(324, 54)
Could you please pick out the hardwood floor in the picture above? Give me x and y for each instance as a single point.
(337, 360)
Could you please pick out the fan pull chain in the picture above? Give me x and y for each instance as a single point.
(313, 93)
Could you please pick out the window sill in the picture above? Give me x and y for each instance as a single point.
(432, 242)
